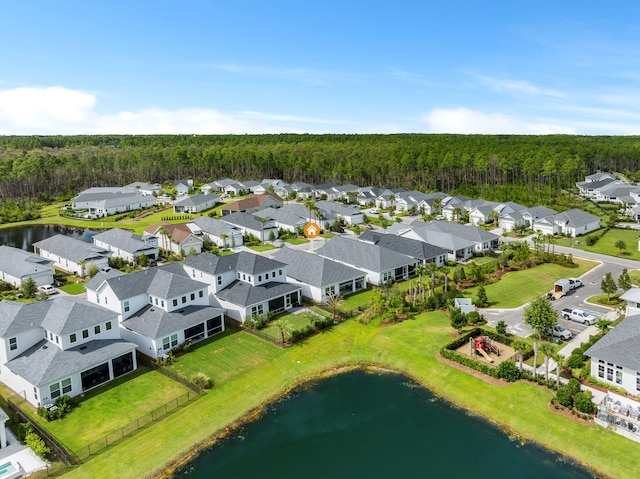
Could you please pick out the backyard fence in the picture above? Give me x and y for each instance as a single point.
(127, 430)
(19, 415)
(147, 361)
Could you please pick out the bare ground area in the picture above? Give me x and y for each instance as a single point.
(506, 352)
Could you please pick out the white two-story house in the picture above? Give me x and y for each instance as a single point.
(62, 346)
(159, 308)
(245, 284)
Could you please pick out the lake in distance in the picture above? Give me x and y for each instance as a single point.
(361, 425)
(23, 237)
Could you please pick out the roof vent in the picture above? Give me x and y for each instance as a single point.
(44, 347)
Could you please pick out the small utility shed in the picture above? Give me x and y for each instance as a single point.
(465, 305)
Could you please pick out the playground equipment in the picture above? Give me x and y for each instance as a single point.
(482, 345)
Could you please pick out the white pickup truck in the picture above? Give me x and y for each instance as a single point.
(578, 315)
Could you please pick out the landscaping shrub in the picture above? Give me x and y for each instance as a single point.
(575, 361)
(508, 371)
(564, 396)
(64, 405)
(458, 319)
(298, 334)
(27, 436)
(501, 327)
(202, 381)
(574, 386)
(583, 402)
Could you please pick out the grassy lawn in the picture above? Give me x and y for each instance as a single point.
(521, 408)
(108, 408)
(485, 260)
(605, 245)
(519, 287)
(225, 355)
(295, 321)
(75, 288)
(297, 241)
(262, 247)
(357, 300)
(601, 300)
(634, 274)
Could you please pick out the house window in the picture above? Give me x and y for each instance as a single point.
(184, 299)
(609, 371)
(13, 344)
(618, 376)
(193, 296)
(162, 303)
(638, 381)
(219, 280)
(35, 393)
(108, 326)
(259, 277)
(156, 301)
(601, 371)
(57, 339)
(266, 276)
(166, 344)
(257, 310)
(73, 338)
(194, 273)
(97, 298)
(126, 306)
(244, 277)
(174, 340)
(175, 302)
(54, 390)
(50, 336)
(238, 275)
(85, 334)
(280, 272)
(96, 329)
(201, 294)
(66, 386)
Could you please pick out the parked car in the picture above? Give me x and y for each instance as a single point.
(578, 315)
(575, 283)
(562, 333)
(374, 211)
(47, 288)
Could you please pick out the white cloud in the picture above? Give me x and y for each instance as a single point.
(519, 86)
(62, 111)
(466, 121)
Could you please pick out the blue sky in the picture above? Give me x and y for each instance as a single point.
(349, 66)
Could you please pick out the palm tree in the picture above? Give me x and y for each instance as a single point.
(432, 267)
(547, 350)
(445, 272)
(166, 237)
(559, 359)
(536, 338)
(420, 270)
(333, 300)
(224, 237)
(309, 204)
(520, 347)
(436, 204)
(262, 222)
(283, 326)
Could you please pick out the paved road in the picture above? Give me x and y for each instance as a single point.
(576, 299)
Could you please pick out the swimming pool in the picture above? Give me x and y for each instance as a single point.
(9, 470)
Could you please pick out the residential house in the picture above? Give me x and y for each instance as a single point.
(245, 284)
(262, 228)
(72, 255)
(349, 213)
(216, 186)
(452, 206)
(320, 277)
(145, 189)
(524, 217)
(18, 266)
(368, 194)
(306, 214)
(283, 218)
(303, 190)
(326, 191)
(196, 203)
(159, 308)
(590, 189)
(615, 358)
(572, 222)
(182, 186)
(220, 233)
(101, 202)
(127, 245)
(253, 202)
(432, 205)
(62, 346)
(381, 265)
(420, 251)
(179, 239)
(600, 175)
(268, 185)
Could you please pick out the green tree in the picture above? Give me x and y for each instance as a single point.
(333, 301)
(608, 285)
(458, 319)
(603, 325)
(520, 347)
(501, 327)
(547, 351)
(541, 316)
(142, 260)
(283, 327)
(29, 288)
(621, 245)
(481, 298)
(624, 281)
(92, 270)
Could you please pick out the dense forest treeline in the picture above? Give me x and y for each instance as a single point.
(523, 168)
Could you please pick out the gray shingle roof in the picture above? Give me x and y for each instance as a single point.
(315, 270)
(67, 314)
(214, 226)
(244, 294)
(123, 240)
(620, 345)
(71, 248)
(16, 318)
(45, 363)
(363, 255)
(19, 263)
(197, 200)
(415, 248)
(575, 218)
(153, 322)
(245, 220)
(244, 262)
(159, 281)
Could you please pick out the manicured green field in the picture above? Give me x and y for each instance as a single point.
(114, 405)
(521, 408)
(519, 287)
(605, 245)
(75, 288)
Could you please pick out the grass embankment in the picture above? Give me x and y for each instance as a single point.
(408, 347)
(605, 245)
